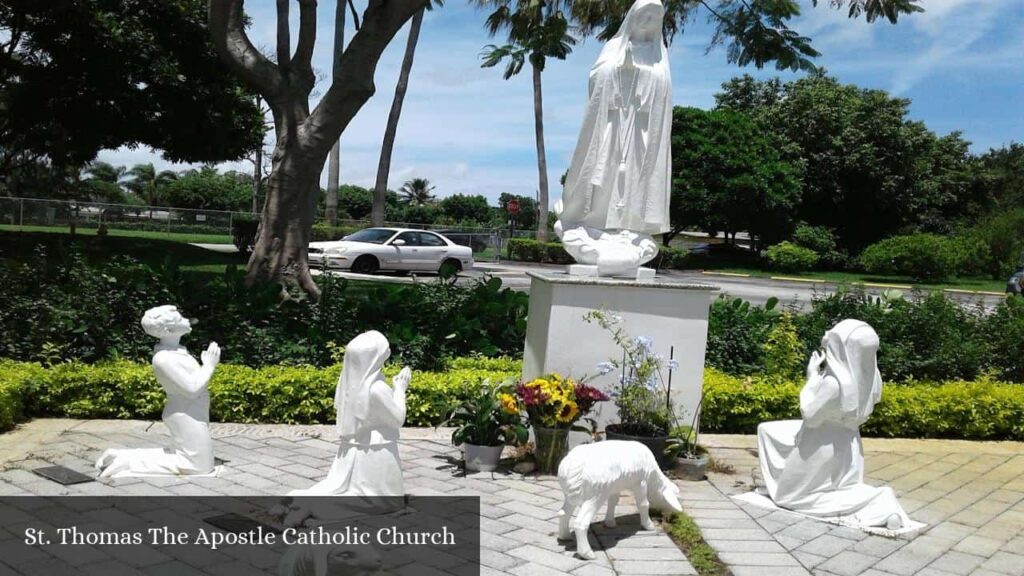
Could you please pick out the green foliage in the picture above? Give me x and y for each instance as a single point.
(58, 303)
(817, 238)
(730, 174)
(736, 334)
(99, 74)
(685, 532)
(783, 350)
(789, 257)
(1002, 234)
(484, 419)
(672, 258)
(208, 189)
(528, 250)
(279, 394)
(243, 232)
(526, 218)
(325, 232)
(981, 410)
(1003, 338)
(923, 257)
(869, 171)
(464, 208)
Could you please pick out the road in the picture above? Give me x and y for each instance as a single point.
(756, 290)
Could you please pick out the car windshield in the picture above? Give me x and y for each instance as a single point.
(371, 235)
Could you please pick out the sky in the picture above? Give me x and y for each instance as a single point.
(468, 131)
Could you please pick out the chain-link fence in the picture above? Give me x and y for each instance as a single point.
(203, 226)
(31, 214)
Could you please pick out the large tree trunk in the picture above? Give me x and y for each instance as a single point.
(304, 139)
(281, 250)
(542, 160)
(380, 189)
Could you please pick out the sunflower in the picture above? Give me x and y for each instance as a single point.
(567, 412)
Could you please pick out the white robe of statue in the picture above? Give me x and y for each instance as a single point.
(816, 466)
(370, 418)
(616, 192)
(186, 413)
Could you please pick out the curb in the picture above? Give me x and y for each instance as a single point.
(735, 274)
(961, 291)
(805, 280)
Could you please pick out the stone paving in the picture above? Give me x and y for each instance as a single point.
(519, 514)
(971, 494)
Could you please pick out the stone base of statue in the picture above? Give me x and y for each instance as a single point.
(643, 273)
(673, 314)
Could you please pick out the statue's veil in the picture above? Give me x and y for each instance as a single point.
(365, 356)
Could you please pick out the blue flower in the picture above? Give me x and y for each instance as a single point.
(605, 367)
(643, 342)
(673, 365)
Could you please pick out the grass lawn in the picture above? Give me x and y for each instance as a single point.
(21, 246)
(979, 284)
(175, 236)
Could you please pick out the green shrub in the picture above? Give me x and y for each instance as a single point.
(670, 257)
(243, 232)
(1002, 333)
(55, 308)
(922, 257)
(13, 377)
(326, 233)
(789, 257)
(527, 250)
(1004, 243)
(736, 334)
(817, 238)
(279, 394)
(783, 351)
(982, 410)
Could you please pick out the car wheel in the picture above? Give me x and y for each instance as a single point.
(450, 267)
(365, 264)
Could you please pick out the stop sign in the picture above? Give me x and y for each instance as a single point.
(513, 206)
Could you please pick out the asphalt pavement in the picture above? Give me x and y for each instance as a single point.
(794, 292)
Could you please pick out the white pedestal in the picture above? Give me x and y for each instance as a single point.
(672, 314)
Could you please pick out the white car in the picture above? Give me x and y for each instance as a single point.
(398, 249)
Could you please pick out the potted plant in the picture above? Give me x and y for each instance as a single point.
(643, 400)
(690, 458)
(484, 424)
(553, 406)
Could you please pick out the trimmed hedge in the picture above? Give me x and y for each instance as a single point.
(981, 410)
(789, 257)
(278, 394)
(527, 250)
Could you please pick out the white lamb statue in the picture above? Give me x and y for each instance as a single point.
(592, 474)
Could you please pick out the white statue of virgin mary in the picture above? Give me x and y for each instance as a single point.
(616, 193)
(370, 417)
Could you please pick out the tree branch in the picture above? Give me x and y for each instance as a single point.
(355, 15)
(303, 58)
(284, 39)
(227, 28)
(354, 86)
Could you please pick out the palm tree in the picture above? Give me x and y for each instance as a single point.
(146, 182)
(537, 30)
(417, 192)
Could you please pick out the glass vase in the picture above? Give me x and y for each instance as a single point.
(550, 446)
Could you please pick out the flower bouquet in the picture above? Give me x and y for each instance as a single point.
(553, 406)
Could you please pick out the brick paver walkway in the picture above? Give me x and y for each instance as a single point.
(970, 493)
(519, 514)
